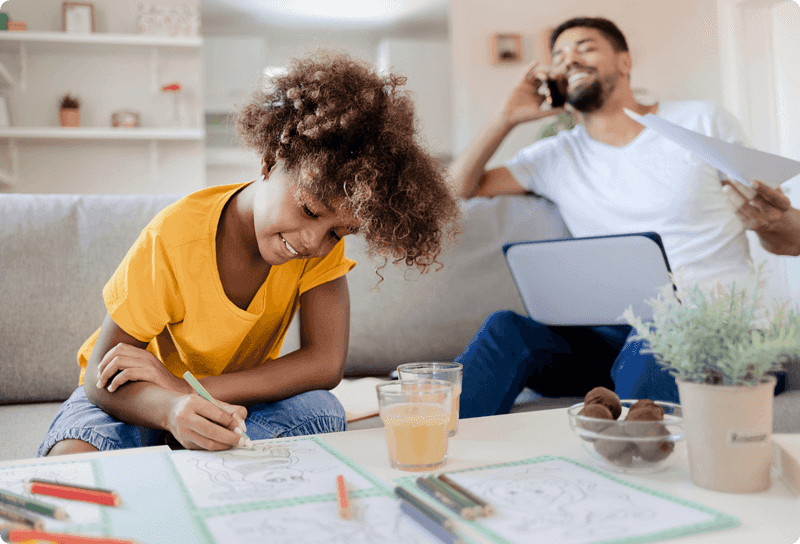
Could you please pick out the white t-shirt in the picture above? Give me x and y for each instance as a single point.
(651, 184)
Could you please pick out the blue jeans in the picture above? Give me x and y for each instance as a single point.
(511, 351)
(312, 412)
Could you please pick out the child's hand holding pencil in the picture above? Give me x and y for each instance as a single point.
(234, 411)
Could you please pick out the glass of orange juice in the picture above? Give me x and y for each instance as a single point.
(416, 414)
(449, 372)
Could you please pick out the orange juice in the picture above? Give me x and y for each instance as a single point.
(416, 435)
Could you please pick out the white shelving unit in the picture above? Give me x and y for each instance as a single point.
(24, 45)
(100, 133)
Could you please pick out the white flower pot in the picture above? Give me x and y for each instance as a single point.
(728, 435)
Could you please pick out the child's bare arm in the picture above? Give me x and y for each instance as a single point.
(194, 422)
(318, 364)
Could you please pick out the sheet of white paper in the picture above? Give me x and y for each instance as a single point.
(557, 501)
(274, 471)
(358, 397)
(378, 520)
(80, 513)
(737, 162)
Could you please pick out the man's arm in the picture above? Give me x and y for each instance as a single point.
(318, 364)
(468, 171)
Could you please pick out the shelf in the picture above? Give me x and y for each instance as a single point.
(101, 133)
(47, 40)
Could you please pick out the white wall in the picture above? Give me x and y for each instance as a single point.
(673, 45)
(426, 64)
(106, 80)
(424, 59)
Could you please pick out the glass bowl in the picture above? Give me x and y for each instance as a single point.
(631, 446)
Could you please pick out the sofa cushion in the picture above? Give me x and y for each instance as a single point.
(422, 317)
(57, 252)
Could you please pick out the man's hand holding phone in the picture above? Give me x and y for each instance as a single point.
(525, 102)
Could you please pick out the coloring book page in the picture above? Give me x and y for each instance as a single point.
(78, 473)
(276, 471)
(559, 501)
(378, 520)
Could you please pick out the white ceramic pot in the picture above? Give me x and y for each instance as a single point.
(728, 435)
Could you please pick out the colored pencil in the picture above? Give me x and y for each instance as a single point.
(345, 508)
(434, 528)
(73, 493)
(33, 505)
(486, 508)
(467, 510)
(20, 515)
(436, 517)
(200, 390)
(22, 535)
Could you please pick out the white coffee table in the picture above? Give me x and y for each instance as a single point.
(770, 517)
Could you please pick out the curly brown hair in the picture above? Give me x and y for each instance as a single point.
(347, 134)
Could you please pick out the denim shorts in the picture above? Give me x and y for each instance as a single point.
(312, 412)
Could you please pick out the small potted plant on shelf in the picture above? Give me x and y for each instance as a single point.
(723, 346)
(70, 112)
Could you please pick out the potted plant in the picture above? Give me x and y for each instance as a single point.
(723, 345)
(70, 112)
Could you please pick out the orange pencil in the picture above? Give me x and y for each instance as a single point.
(73, 492)
(345, 508)
(22, 535)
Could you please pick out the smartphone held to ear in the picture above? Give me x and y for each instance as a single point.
(556, 91)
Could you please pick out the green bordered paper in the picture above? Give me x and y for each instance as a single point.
(82, 517)
(282, 492)
(560, 501)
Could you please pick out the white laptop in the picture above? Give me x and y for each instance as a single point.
(589, 281)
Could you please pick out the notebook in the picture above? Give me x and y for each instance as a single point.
(588, 281)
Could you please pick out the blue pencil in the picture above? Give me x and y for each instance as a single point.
(432, 527)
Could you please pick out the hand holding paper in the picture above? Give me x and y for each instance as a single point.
(740, 163)
(769, 213)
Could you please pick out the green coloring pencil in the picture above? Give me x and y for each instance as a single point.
(32, 505)
(450, 498)
(200, 390)
(486, 508)
(437, 518)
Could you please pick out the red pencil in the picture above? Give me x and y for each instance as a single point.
(345, 509)
(73, 492)
(22, 535)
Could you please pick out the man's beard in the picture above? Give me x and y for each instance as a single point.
(587, 99)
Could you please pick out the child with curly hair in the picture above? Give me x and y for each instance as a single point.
(213, 281)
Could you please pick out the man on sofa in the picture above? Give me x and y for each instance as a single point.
(609, 175)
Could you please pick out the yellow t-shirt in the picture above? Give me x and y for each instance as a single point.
(167, 292)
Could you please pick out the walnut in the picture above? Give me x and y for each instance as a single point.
(606, 397)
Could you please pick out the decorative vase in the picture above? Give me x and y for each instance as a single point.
(728, 435)
(70, 117)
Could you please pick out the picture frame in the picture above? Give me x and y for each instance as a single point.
(506, 48)
(77, 17)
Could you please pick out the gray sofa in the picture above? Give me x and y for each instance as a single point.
(57, 251)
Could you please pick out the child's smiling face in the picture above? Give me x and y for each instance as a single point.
(288, 227)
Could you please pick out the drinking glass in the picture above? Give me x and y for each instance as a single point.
(449, 372)
(415, 415)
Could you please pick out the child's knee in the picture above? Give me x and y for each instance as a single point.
(70, 446)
